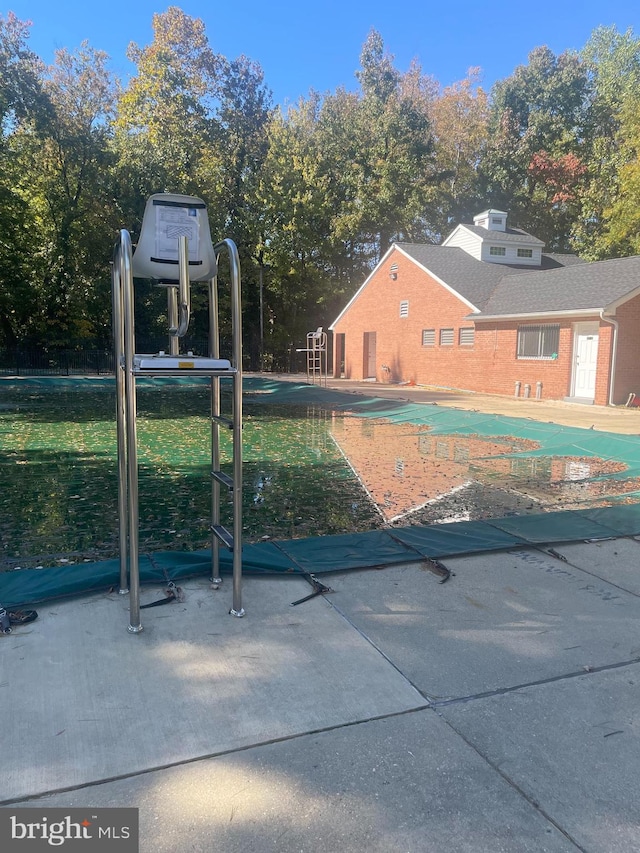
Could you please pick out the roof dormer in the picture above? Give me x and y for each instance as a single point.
(492, 220)
(489, 240)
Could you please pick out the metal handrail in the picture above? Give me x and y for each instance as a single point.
(184, 291)
(124, 337)
(124, 344)
(236, 361)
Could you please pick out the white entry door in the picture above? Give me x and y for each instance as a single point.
(586, 360)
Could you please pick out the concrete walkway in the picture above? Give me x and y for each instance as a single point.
(607, 418)
(496, 712)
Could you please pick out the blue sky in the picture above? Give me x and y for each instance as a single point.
(303, 45)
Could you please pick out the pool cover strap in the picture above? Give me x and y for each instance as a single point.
(374, 549)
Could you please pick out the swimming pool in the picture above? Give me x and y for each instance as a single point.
(313, 465)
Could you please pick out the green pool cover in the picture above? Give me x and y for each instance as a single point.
(376, 548)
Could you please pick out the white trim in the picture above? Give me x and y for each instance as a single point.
(581, 312)
(611, 307)
(460, 227)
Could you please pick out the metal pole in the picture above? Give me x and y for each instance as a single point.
(172, 316)
(126, 278)
(261, 316)
(214, 352)
(118, 341)
(236, 324)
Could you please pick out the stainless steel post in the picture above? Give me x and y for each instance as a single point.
(172, 316)
(214, 352)
(236, 325)
(131, 437)
(118, 342)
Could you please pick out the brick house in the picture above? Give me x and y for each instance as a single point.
(490, 311)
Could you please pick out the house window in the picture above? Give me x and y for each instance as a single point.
(446, 337)
(496, 220)
(525, 253)
(404, 308)
(466, 336)
(428, 337)
(497, 250)
(538, 341)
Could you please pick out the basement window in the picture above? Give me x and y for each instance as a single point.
(498, 251)
(538, 341)
(428, 337)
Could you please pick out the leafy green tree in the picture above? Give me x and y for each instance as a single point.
(621, 234)
(68, 191)
(460, 115)
(613, 61)
(165, 132)
(296, 248)
(20, 93)
(540, 111)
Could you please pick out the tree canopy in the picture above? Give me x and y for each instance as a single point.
(313, 194)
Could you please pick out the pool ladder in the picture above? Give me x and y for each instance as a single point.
(130, 366)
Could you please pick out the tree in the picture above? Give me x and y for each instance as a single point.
(20, 94)
(540, 111)
(460, 115)
(67, 187)
(613, 63)
(621, 234)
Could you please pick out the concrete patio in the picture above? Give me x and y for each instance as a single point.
(496, 712)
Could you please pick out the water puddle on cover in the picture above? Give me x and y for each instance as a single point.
(413, 476)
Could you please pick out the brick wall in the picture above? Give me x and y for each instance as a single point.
(490, 365)
(627, 374)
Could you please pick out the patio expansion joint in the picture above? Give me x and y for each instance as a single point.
(428, 699)
(38, 795)
(436, 703)
(516, 787)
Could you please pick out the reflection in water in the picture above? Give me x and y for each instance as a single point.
(408, 471)
(307, 472)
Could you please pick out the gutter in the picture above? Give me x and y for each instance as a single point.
(536, 315)
(612, 374)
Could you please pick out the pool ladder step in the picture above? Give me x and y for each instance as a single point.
(223, 478)
(223, 535)
(220, 419)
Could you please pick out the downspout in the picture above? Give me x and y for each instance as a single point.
(614, 354)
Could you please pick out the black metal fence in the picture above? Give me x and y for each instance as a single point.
(39, 362)
(80, 361)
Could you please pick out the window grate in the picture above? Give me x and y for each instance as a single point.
(538, 341)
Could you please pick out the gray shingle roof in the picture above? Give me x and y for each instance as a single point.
(472, 279)
(511, 235)
(572, 288)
